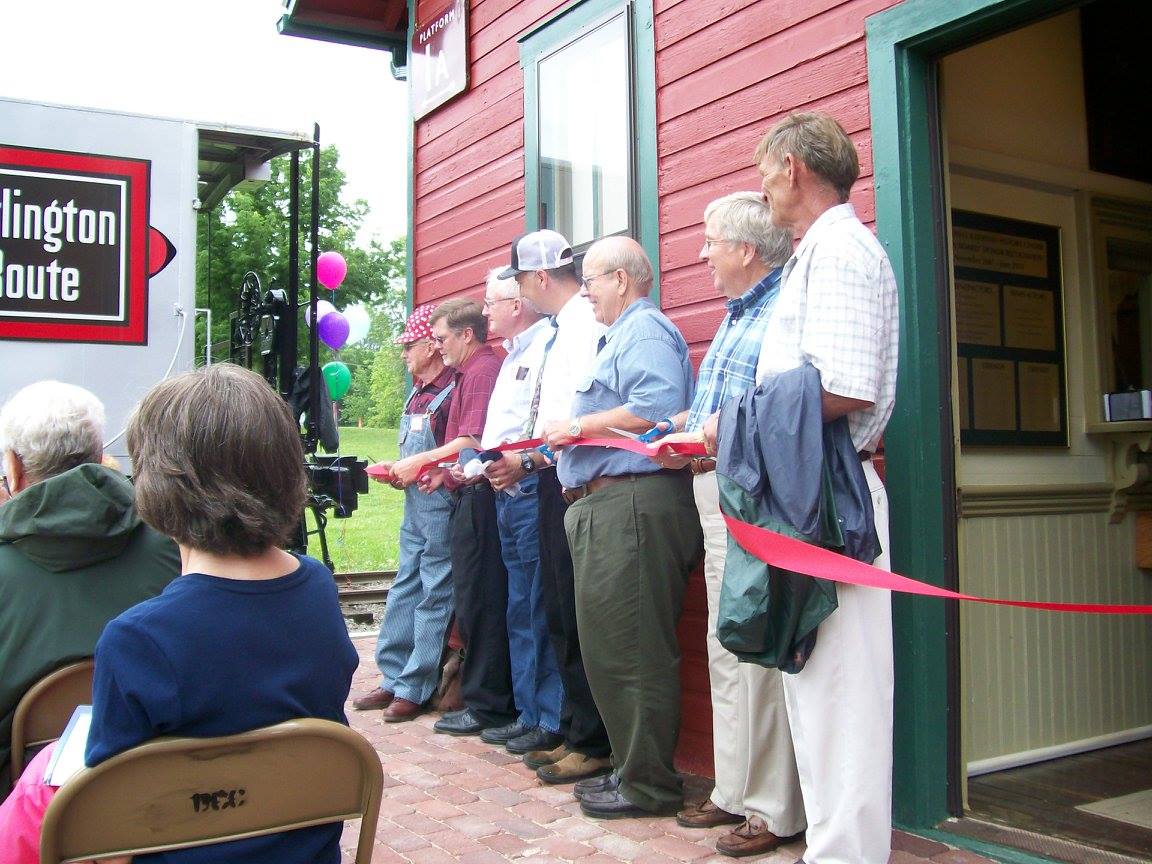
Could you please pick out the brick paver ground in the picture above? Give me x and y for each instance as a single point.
(449, 799)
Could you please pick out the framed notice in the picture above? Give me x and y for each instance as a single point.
(73, 247)
(438, 57)
(1009, 331)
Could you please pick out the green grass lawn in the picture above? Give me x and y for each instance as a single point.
(370, 538)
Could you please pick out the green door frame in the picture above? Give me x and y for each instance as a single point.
(904, 43)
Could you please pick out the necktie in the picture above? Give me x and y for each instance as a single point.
(534, 409)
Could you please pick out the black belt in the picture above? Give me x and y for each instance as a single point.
(864, 455)
(473, 488)
(578, 492)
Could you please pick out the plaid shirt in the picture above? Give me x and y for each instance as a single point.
(730, 364)
(839, 310)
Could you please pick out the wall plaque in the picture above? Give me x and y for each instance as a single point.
(438, 58)
(1009, 331)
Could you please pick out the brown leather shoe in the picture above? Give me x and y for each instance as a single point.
(751, 838)
(401, 710)
(377, 699)
(573, 767)
(706, 815)
(540, 758)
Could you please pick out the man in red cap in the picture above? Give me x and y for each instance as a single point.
(420, 600)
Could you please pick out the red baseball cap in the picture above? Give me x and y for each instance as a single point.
(417, 326)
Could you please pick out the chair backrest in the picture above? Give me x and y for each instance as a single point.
(173, 793)
(44, 711)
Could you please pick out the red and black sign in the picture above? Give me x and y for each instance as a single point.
(74, 260)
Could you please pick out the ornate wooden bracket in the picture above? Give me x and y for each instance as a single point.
(1131, 470)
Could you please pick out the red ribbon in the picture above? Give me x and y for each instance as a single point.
(650, 450)
(800, 557)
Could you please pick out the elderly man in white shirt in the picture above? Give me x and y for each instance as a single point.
(536, 684)
(542, 264)
(838, 310)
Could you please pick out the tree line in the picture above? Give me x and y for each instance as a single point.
(248, 231)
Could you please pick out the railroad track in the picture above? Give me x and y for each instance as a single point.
(363, 596)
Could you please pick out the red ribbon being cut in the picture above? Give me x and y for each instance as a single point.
(800, 557)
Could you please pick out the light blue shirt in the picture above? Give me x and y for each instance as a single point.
(642, 367)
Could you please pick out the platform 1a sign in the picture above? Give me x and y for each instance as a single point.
(438, 57)
(73, 247)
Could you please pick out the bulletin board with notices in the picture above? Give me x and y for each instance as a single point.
(1009, 331)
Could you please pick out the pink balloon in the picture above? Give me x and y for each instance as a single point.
(333, 330)
(323, 307)
(331, 269)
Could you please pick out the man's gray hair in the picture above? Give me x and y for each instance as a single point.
(52, 427)
(629, 257)
(502, 288)
(817, 140)
(745, 217)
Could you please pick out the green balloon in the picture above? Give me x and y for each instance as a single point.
(338, 377)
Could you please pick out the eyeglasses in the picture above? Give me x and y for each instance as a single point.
(710, 242)
(488, 304)
(588, 280)
(408, 346)
(440, 340)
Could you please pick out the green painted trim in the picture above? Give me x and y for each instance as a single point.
(644, 128)
(288, 26)
(903, 42)
(1005, 854)
(561, 28)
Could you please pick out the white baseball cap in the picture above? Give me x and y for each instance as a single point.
(538, 250)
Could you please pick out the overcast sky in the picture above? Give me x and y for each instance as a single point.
(219, 61)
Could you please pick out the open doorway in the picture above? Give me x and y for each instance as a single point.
(1049, 223)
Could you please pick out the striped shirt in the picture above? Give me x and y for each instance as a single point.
(729, 367)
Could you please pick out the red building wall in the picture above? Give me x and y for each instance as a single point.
(725, 71)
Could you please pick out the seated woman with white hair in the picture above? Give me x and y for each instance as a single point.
(248, 636)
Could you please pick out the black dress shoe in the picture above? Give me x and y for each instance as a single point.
(611, 804)
(504, 734)
(536, 739)
(463, 723)
(604, 783)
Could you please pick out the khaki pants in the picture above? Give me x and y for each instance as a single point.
(751, 742)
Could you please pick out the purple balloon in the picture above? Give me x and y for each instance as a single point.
(331, 269)
(333, 330)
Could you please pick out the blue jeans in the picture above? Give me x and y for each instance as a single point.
(536, 682)
(419, 601)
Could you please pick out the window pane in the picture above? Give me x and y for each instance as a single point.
(585, 129)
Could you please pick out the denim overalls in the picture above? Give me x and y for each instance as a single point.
(420, 600)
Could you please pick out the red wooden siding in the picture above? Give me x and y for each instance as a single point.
(725, 71)
(468, 169)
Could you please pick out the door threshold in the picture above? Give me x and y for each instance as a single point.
(1056, 848)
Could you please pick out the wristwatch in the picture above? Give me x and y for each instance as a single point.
(526, 463)
(575, 429)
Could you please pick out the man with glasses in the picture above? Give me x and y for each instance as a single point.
(536, 682)
(479, 581)
(419, 608)
(633, 531)
(542, 265)
(757, 786)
